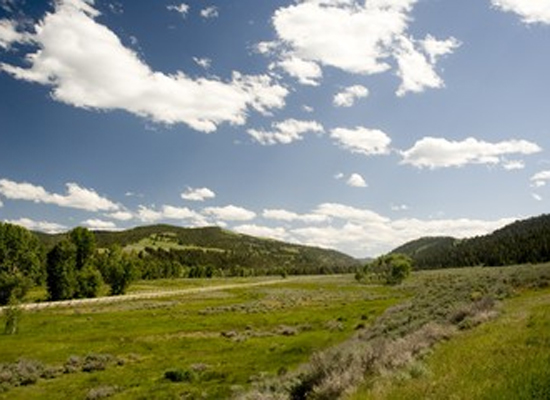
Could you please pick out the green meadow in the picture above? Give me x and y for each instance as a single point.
(474, 333)
(220, 341)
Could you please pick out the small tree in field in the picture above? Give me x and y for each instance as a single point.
(390, 269)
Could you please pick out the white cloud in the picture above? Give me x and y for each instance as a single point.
(199, 194)
(416, 68)
(362, 232)
(210, 12)
(530, 11)
(349, 95)
(230, 213)
(42, 226)
(203, 62)
(341, 211)
(513, 165)
(87, 66)
(121, 215)
(307, 108)
(76, 197)
(167, 212)
(289, 216)
(262, 231)
(307, 72)
(285, 132)
(430, 152)
(434, 48)
(356, 37)
(537, 197)
(100, 225)
(182, 9)
(9, 34)
(540, 178)
(362, 140)
(356, 180)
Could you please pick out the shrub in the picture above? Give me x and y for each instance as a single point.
(12, 315)
(101, 392)
(179, 375)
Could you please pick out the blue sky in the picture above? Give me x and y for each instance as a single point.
(338, 123)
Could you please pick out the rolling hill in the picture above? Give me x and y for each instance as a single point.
(220, 249)
(524, 241)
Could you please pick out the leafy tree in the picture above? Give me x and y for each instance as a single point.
(117, 269)
(390, 269)
(85, 243)
(89, 282)
(21, 262)
(61, 261)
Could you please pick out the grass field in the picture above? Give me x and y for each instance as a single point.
(220, 342)
(477, 333)
(506, 359)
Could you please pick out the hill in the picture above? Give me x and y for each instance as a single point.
(163, 247)
(524, 241)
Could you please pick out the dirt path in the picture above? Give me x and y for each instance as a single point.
(148, 295)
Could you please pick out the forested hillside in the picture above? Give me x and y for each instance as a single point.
(525, 241)
(166, 251)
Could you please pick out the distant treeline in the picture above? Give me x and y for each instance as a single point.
(522, 242)
(79, 263)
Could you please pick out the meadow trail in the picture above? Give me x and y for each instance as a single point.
(153, 294)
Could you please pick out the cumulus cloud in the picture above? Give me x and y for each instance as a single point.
(430, 152)
(182, 9)
(415, 68)
(285, 132)
(230, 213)
(540, 178)
(362, 140)
(167, 212)
(100, 225)
(121, 215)
(289, 216)
(9, 34)
(42, 226)
(262, 231)
(363, 232)
(356, 37)
(307, 72)
(536, 196)
(531, 12)
(76, 196)
(210, 12)
(87, 66)
(356, 180)
(199, 194)
(349, 95)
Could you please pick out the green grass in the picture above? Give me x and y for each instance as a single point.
(505, 359)
(235, 336)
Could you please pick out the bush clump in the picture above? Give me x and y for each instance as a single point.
(180, 375)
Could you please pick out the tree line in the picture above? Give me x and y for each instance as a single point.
(72, 268)
(73, 265)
